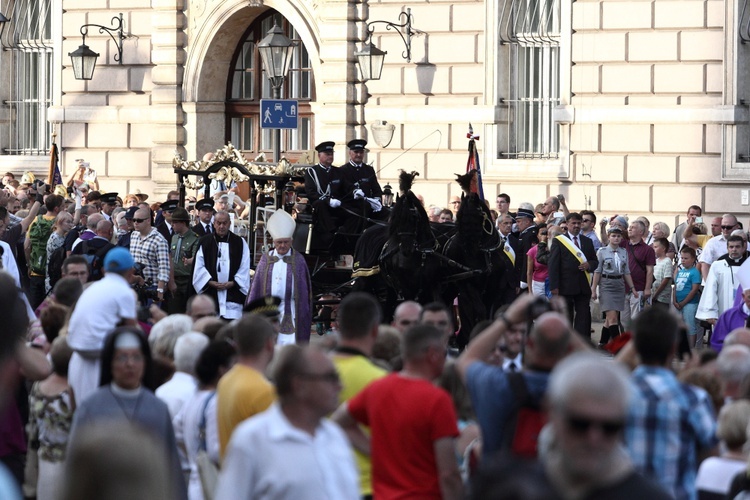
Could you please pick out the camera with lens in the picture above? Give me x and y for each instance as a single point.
(146, 291)
(539, 306)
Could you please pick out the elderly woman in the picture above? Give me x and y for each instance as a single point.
(715, 474)
(125, 369)
(195, 425)
(661, 230)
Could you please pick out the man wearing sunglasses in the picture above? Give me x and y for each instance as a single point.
(717, 246)
(669, 423)
(588, 404)
(150, 248)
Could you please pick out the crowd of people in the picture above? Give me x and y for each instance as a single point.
(142, 355)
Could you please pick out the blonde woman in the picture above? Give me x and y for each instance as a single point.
(63, 224)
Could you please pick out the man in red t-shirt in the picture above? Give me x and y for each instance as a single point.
(412, 423)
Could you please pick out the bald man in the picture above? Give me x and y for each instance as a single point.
(150, 249)
(96, 248)
(491, 388)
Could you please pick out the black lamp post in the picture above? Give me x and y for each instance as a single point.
(276, 52)
(84, 59)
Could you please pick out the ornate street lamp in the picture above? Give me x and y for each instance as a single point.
(276, 52)
(370, 59)
(84, 59)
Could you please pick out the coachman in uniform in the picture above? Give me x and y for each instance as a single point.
(323, 188)
(362, 192)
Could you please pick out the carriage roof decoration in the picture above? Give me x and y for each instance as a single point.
(232, 167)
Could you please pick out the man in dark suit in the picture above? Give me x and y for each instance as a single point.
(205, 208)
(165, 226)
(510, 278)
(323, 189)
(572, 260)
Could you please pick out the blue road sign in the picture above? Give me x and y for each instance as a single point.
(278, 113)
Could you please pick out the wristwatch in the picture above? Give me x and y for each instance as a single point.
(160, 290)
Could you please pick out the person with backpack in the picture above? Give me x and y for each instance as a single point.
(35, 248)
(503, 400)
(95, 249)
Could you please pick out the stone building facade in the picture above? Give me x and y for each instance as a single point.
(625, 106)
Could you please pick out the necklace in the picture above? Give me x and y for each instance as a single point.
(124, 411)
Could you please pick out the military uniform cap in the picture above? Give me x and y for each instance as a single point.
(131, 213)
(169, 205)
(205, 204)
(356, 144)
(325, 147)
(110, 198)
(525, 212)
(267, 306)
(180, 215)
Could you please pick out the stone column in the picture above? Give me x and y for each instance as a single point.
(167, 118)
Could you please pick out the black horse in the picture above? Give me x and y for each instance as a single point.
(409, 259)
(477, 246)
(399, 261)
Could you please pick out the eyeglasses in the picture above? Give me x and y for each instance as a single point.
(543, 233)
(331, 377)
(582, 425)
(728, 227)
(139, 220)
(124, 358)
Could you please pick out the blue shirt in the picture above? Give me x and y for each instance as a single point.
(684, 282)
(493, 400)
(668, 421)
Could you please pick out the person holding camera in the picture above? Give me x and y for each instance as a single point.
(182, 252)
(152, 250)
(492, 389)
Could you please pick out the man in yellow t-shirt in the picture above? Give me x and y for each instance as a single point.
(244, 391)
(358, 318)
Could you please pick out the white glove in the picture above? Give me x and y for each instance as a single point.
(375, 204)
(79, 201)
(334, 203)
(358, 193)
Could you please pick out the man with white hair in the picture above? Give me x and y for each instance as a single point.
(733, 365)
(183, 384)
(283, 273)
(588, 403)
(222, 268)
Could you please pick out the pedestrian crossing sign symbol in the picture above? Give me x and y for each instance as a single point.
(278, 113)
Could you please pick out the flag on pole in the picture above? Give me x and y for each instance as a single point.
(473, 163)
(54, 177)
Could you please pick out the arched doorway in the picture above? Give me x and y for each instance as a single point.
(247, 84)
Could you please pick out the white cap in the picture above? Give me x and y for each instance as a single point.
(281, 225)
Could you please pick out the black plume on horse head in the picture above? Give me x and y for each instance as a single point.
(405, 181)
(466, 180)
(408, 215)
